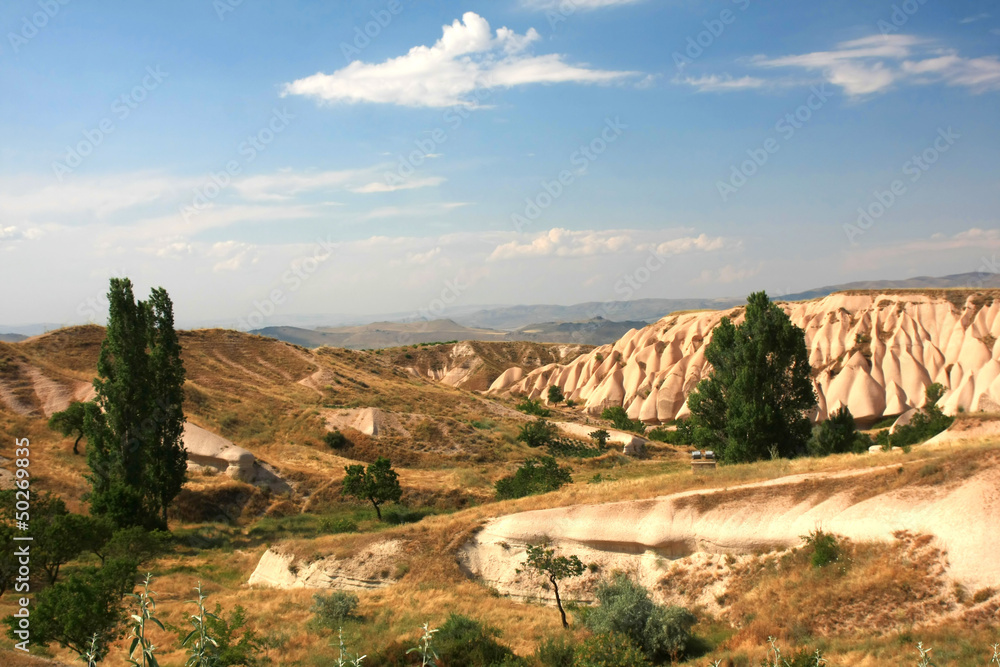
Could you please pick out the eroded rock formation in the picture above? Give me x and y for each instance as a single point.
(873, 352)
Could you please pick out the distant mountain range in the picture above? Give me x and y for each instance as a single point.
(596, 331)
(974, 280)
(590, 323)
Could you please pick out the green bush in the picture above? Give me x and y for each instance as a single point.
(556, 395)
(533, 406)
(837, 435)
(537, 433)
(539, 475)
(824, 548)
(400, 515)
(236, 644)
(625, 607)
(341, 525)
(575, 448)
(331, 611)
(611, 649)
(463, 641)
(556, 651)
(683, 435)
(925, 424)
(336, 440)
(619, 418)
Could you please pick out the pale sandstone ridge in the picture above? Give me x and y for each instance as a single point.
(371, 567)
(643, 536)
(874, 353)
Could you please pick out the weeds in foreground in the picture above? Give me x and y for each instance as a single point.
(428, 656)
(925, 656)
(200, 653)
(146, 603)
(344, 659)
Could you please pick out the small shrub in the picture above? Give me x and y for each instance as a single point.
(824, 547)
(682, 435)
(331, 611)
(626, 608)
(609, 650)
(533, 406)
(555, 394)
(537, 433)
(837, 435)
(342, 525)
(400, 515)
(465, 641)
(336, 440)
(619, 418)
(555, 651)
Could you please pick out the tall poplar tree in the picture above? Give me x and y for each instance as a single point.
(133, 427)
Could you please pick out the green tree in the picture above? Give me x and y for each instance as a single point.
(753, 403)
(133, 427)
(556, 394)
(539, 475)
(87, 603)
(600, 437)
(167, 459)
(555, 568)
(837, 435)
(925, 424)
(377, 484)
(537, 433)
(69, 422)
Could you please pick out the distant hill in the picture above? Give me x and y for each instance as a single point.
(596, 331)
(11, 337)
(511, 318)
(974, 280)
(381, 334)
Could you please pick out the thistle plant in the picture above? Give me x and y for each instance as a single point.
(201, 653)
(141, 652)
(344, 659)
(426, 650)
(996, 656)
(777, 653)
(925, 656)
(92, 655)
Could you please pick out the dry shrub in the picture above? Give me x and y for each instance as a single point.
(224, 502)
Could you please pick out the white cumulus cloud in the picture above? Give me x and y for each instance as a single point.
(469, 57)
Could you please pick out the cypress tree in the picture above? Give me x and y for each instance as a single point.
(133, 427)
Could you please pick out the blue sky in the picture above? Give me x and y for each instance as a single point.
(263, 162)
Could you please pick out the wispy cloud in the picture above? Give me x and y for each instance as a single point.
(974, 18)
(586, 243)
(714, 83)
(874, 64)
(467, 58)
